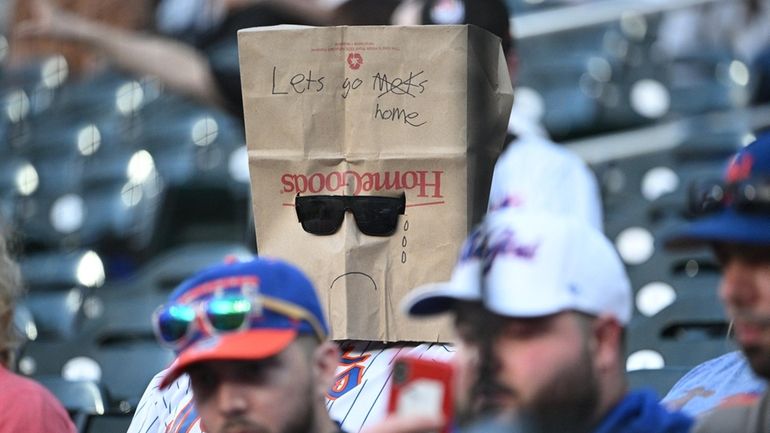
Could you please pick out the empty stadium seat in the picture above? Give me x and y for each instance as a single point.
(89, 404)
(81, 398)
(689, 331)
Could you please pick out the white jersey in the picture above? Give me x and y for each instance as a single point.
(166, 411)
(358, 397)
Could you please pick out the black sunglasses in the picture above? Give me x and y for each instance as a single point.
(375, 216)
(750, 196)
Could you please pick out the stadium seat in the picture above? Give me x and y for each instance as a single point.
(714, 146)
(129, 362)
(689, 331)
(678, 269)
(81, 398)
(115, 421)
(696, 86)
(57, 286)
(89, 404)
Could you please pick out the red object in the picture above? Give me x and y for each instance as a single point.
(355, 60)
(422, 387)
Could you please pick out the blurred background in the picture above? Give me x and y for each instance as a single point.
(118, 182)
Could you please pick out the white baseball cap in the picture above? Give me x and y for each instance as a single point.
(523, 263)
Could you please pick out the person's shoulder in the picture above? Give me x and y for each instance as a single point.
(13, 384)
(724, 380)
(733, 418)
(372, 353)
(730, 361)
(161, 407)
(30, 401)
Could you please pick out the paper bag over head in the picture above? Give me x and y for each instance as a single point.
(372, 111)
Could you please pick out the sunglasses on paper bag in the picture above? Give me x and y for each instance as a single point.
(175, 323)
(375, 216)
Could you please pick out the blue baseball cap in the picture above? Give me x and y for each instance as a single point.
(286, 306)
(730, 224)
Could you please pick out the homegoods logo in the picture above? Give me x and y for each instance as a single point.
(426, 183)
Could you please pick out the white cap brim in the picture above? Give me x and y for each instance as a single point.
(435, 298)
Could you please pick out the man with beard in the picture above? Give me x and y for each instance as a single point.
(540, 303)
(734, 219)
(253, 340)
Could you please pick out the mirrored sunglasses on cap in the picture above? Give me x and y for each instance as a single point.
(175, 323)
(374, 215)
(749, 196)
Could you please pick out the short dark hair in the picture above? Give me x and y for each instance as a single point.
(491, 15)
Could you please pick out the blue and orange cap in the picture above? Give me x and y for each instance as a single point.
(278, 283)
(730, 224)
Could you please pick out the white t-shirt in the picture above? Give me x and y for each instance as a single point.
(358, 398)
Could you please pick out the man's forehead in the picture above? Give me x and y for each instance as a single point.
(231, 365)
(476, 315)
(468, 311)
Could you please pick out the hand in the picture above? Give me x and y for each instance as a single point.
(406, 424)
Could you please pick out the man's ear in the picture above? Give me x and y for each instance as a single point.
(608, 338)
(326, 358)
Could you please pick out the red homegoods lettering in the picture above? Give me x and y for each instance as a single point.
(427, 183)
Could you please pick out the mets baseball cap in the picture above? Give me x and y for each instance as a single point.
(734, 209)
(238, 311)
(526, 263)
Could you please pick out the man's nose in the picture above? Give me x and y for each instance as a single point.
(231, 398)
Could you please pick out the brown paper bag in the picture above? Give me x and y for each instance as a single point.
(373, 111)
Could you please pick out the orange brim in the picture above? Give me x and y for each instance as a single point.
(254, 344)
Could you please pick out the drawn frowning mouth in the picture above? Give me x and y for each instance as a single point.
(361, 277)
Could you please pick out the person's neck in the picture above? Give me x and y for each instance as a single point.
(323, 423)
(613, 389)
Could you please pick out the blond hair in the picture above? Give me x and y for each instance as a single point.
(10, 291)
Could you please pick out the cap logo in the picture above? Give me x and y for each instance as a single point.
(488, 248)
(739, 168)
